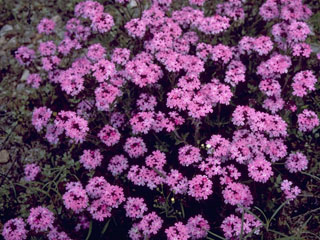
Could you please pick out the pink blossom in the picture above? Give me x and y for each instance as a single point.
(237, 193)
(303, 81)
(31, 171)
(200, 187)
(198, 227)
(96, 187)
(25, 55)
(189, 155)
(260, 170)
(14, 229)
(177, 232)
(46, 26)
(221, 52)
(118, 164)
(232, 225)
(105, 95)
(76, 197)
(96, 52)
(102, 22)
(55, 235)
(177, 182)
(120, 56)
(296, 162)
(91, 159)
(150, 224)
(156, 160)
(146, 102)
(40, 117)
(307, 120)
(235, 73)
(135, 207)
(142, 122)
(34, 80)
(109, 135)
(136, 27)
(135, 147)
(47, 48)
(103, 70)
(40, 219)
(290, 192)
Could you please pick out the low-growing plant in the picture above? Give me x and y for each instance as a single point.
(167, 120)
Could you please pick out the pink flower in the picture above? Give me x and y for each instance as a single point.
(111, 198)
(307, 120)
(177, 182)
(76, 128)
(290, 192)
(237, 193)
(221, 52)
(109, 135)
(301, 49)
(177, 232)
(200, 187)
(40, 117)
(269, 10)
(232, 225)
(31, 171)
(34, 80)
(14, 229)
(303, 81)
(96, 52)
(96, 187)
(102, 22)
(156, 160)
(135, 147)
(189, 155)
(260, 170)
(118, 164)
(142, 122)
(296, 162)
(55, 235)
(25, 55)
(105, 95)
(47, 48)
(88, 9)
(198, 227)
(46, 26)
(103, 70)
(40, 219)
(76, 197)
(135, 207)
(136, 27)
(298, 31)
(146, 102)
(235, 73)
(150, 224)
(211, 166)
(91, 159)
(120, 56)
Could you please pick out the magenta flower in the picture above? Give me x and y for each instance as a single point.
(135, 147)
(46, 26)
(109, 135)
(296, 162)
(135, 207)
(14, 229)
(40, 219)
(200, 187)
(307, 120)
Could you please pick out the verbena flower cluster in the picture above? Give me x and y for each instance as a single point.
(149, 115)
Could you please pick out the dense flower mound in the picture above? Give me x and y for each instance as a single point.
(164, 110)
